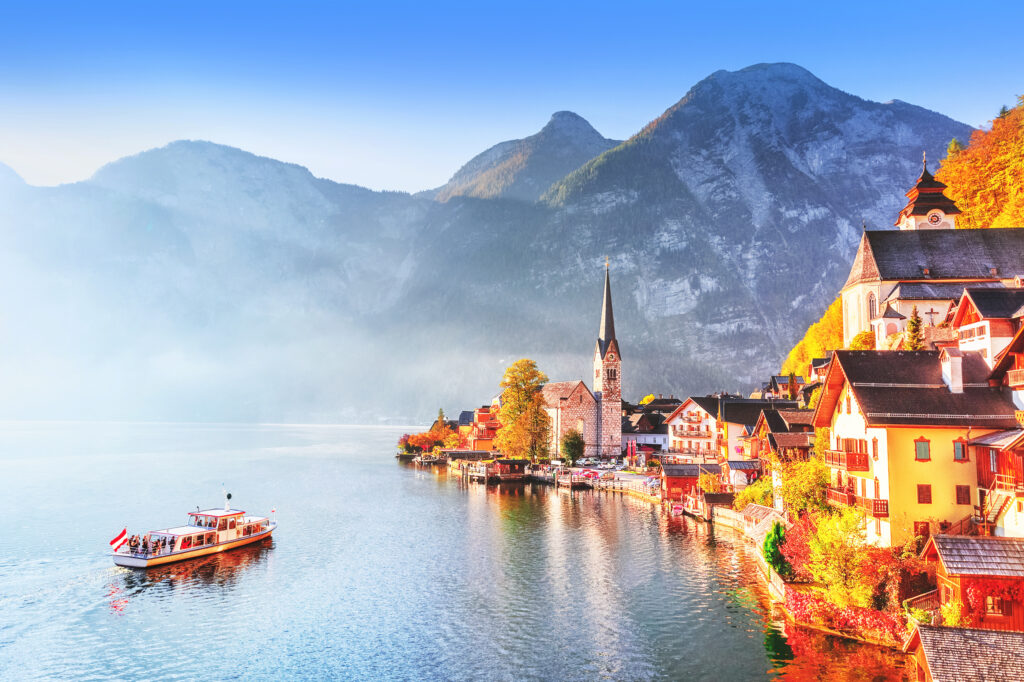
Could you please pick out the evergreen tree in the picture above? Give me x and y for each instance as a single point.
(954, 147)
(1003, 111)
(914, 340)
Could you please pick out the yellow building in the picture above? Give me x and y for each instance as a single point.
(900, 423)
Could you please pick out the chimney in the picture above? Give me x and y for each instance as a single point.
(952, 369)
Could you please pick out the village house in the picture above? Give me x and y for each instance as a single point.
(483, 428)
(987, 319)
(647, 430)
(986, 574)
(735, 422)
(941, 654)
(691, 428)
(782, 436)
(926, 263)
(899, 426)
(596, 415)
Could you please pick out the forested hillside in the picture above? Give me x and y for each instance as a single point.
(986, 179)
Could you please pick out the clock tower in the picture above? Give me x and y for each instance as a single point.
(608, 379)
(929, 208)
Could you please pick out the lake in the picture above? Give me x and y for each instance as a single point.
(377, 571)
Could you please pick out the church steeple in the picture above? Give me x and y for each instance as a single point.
(929, 207)
(606, 334)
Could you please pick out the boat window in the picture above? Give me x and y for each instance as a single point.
(223, 524)
(209, 538)
(231, 524)
(186, 542)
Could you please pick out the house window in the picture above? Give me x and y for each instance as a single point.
(960, 451)
(993, 460)
(997, 606)
(963, 494)
(848, 410)
(922, 450)
(924, 494)
(874, 449)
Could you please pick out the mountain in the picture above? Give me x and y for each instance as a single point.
(524, 169)
(201, 282)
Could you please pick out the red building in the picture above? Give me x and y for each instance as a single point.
(678, 480)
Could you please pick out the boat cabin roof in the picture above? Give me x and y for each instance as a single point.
(183, 530)
(218, 512)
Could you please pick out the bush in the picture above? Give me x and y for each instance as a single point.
(772, 549)
(758, 492)
(953, 614)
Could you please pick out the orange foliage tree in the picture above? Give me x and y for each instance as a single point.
(986, 178)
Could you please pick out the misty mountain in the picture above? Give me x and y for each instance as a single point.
(524, 169)
(201, 282)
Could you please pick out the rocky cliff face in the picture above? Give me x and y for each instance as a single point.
(200, 282)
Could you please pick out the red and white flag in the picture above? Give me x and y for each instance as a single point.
(121, 538)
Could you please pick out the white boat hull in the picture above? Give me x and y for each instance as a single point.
(142, 561)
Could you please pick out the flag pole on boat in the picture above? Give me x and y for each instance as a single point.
(227, 498)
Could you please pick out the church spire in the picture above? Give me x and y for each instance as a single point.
(606, 335)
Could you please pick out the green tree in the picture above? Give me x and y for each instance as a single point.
(758, 492)
(865, 340)
(1003, 111)
(772, 549)
(914, 339)
(572, 446)
(837, 558)
(803, 485)
(954, 147)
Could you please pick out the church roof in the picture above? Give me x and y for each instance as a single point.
(557, 390)
(891, 255)
(606, 334)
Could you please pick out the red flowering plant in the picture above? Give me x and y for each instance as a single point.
(810, 608)
(978, 589)
(796, 549)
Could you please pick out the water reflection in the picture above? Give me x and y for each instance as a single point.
(222, 570)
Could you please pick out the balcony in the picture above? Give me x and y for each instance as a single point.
(839, 496)
(875, 508)
(847, 461)
(1016, 378)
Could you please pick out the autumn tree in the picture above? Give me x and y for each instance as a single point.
(986, 178)
(824, 335)
(803, 485)
(647, 399)
(572, 446)
(837, 556)
(710, 483)
(525, 426)
(758, 492)
(914, 339)
(865, 340)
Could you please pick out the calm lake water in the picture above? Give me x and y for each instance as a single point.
(378, 571)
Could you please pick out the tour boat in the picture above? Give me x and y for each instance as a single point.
(207, 532)
(676, 509)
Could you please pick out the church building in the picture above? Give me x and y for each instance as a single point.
(596, 414)
(926, 263)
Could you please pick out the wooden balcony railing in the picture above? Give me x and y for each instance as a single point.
(847, 461)
(842, 497)
(847, 497)
(1015, 377)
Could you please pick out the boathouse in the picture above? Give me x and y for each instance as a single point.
(943, 653)
(677, 480)
(985, 574)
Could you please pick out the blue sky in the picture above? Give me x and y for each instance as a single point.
(398, 96)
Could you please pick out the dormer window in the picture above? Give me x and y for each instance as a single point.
(993, 271)
(926, 271)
